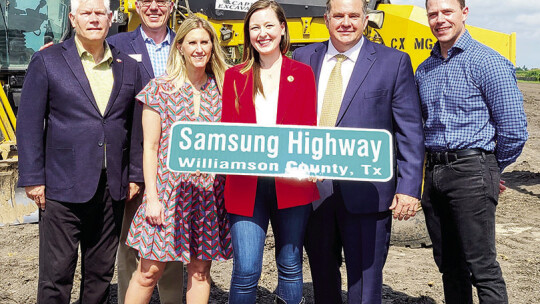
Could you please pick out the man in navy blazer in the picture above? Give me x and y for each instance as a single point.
(156, 33)
(77, 153)
(149, 44)
(379, 93)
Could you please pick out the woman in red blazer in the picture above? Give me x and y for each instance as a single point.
(268, 89)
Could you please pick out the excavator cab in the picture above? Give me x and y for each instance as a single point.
(25, 25)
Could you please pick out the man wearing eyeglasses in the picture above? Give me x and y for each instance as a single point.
(149, 44)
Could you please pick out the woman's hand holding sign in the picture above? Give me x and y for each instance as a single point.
(314, 179)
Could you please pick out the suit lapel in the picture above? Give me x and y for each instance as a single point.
(316, 61)
(140, 48)
(365, 61)
(71, 55)
(286, 89)
(118, 76)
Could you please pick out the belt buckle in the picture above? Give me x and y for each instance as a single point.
(454, 157)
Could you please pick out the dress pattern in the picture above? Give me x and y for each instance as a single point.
(196, 224)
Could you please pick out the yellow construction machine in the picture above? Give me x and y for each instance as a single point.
(403, 27)
(26, 25)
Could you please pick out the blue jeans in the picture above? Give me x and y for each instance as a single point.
(248, 236)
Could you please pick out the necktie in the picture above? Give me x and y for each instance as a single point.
(332, 95)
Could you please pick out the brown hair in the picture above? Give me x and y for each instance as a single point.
(251, 56)
(461, 3)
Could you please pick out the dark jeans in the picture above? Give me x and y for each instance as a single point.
(95, 226)
(248, 237)
(459, 202)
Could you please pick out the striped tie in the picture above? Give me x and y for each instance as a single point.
(332, 96)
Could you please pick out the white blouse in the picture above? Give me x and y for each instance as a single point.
(266, 108)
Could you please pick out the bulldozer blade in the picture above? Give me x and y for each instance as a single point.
(21, 198)
(15, 206)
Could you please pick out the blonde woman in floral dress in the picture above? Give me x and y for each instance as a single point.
(182, 217)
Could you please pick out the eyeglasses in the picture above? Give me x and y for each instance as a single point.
(160, 3)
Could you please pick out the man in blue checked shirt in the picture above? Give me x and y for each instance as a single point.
(474, 126)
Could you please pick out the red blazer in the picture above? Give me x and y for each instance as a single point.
(297, 105)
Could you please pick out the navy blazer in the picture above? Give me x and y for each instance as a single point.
(62, 135)
(133, 43)
(381, 94)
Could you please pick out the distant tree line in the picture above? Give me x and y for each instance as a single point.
(523, 73)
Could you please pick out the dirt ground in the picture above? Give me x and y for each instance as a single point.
(410, 275)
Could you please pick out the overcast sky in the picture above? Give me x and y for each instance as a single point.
(520, 16)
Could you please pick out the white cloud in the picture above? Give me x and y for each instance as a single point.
(528, 20)
(411, 2)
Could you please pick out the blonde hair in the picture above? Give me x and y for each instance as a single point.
(251, 56)
(176, 64)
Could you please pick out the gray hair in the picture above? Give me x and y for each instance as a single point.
(75, 5)
(329, 6)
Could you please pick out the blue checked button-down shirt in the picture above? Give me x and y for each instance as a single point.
(471, 100)
(158, 52)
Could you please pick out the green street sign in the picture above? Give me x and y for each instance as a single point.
(285, 151)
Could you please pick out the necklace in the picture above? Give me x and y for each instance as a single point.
(270, 72)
